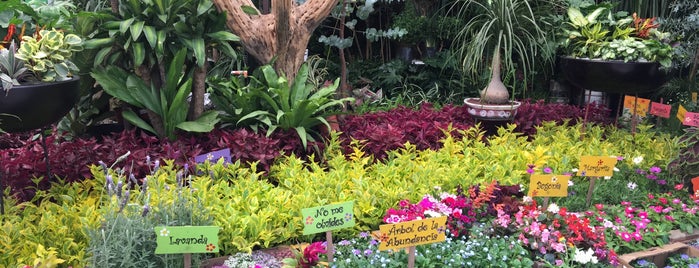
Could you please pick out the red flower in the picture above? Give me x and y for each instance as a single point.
(599, 206)
(562, 211)
(679, 187)
(663, 200)
(651, 196)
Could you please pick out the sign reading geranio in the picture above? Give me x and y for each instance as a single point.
(328, 217)
(412, 233)
(186, 239)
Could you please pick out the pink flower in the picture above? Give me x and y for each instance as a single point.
(625, 236)
(676, 201)
(426, 203)
(599, 206)
(637, 236)
(404, 203)
(625, 203)
(629, 210)
(655, 169)
(651, 196)
(679, 186)
(642, 214)
(547, 170)
(669, 218)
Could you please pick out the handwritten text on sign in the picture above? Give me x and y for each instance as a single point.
(328, 217)
(186, 239)
(638, 106)
(596, 166)
(691, 119)
(548, 185)
(659, 109)
(412, 233)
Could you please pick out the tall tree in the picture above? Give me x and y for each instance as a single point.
(284, 33)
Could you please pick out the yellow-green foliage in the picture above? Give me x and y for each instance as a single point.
(59, 224)
(253, 212)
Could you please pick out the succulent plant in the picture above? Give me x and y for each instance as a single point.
(48, 54)
(12, 70)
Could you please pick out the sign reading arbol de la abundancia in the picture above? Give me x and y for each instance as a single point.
(186, 239)
(328, 217)
(412, 233)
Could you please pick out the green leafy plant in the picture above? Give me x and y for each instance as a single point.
(596, 32)
(168, 103)
(48, 54)
(508, 33)
(12, 70)
(297, 106)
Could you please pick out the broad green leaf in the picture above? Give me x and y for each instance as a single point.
(137, 121)
(224, 36)
(136, 29)
(205, 123)
(124, 25)
(151, 35)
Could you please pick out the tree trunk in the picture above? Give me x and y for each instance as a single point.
(196, 105)
(495, 92)
(260, 34)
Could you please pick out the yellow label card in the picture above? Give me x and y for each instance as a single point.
(681, 112)
(548, 185)
(596, 166)
(637, 106)
(412, 233)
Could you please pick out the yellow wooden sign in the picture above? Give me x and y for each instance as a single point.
(681, 112)
(638, 106)
(548, 185)
(596, 166)
(412, 233)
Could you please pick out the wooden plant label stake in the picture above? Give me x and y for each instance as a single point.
(329, 248)
(589, 192)
(412, 233)
(411, 257)
(327, 218)
(187, 240)
(595, 166)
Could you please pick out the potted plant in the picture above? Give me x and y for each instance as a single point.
(612, 51)
(506, 32)
(38, 80)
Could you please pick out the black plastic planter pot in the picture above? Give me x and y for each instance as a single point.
(613, 76)
(28, 107)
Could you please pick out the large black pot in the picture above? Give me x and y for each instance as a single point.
(37, 105)
(613, 76)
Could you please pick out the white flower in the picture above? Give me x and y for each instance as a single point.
(553, 208)
(585, 257)
(631, 185)
(527, 199)
(433, 214)
(616, 169)
(575, 170)
(638, 159)
(570, 183)
(607, 177)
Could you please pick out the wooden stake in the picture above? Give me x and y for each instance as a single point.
(546, 202)
(411, 257)
(188, 260)
(329, 245)
(589, 192)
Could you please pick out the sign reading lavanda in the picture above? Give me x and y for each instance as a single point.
(412, 233)
(186, 239)
(328, 217)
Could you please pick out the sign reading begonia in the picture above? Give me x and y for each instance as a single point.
(186, 239)
(412, 233)
(328, 217)
(548, 185)
(596, 166)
